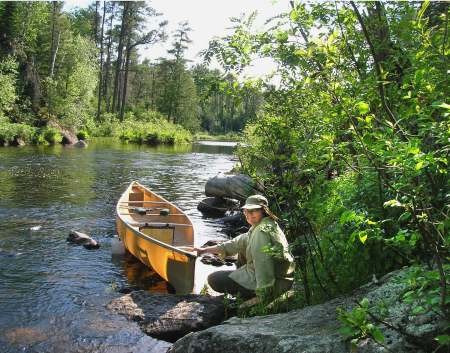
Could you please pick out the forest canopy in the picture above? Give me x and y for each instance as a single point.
(82, 70)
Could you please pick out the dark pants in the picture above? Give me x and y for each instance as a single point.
(222, 283)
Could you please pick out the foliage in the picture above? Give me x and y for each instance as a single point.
(68, 99)
(48, 135)
(159, 131)
(10, 132)
(8, 71)
(82, 135)
(353, 144)
(63, 66)
(358, 324)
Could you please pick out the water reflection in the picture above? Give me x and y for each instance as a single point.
(52, 293)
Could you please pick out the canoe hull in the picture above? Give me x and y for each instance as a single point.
(170, 261)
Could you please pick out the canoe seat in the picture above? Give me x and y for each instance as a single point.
(164, 234)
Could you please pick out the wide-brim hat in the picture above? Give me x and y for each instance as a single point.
(258, 201)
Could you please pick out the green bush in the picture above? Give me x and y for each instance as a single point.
(82, 135)
(9, 131)
(47, 135)
(150, 132)
(52, 135)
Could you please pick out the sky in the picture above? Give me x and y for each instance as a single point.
(207, 18)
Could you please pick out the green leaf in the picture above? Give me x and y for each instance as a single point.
(317, 41)
(442, 339)
(418, 76)
(300, 52)
(376, 333)
(363, 236)
(422, 10)
(440, 105)
(343, 218)
(367, 139)
(417, 309)
(408, 24)
(344, 320)
(408, 293)
(353, 344)
(363, 108)
(414, 150)
(332, 37)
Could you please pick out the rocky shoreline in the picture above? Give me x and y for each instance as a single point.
(195, 323)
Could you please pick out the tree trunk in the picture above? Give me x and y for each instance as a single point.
(54, 55)
(59, 66)
(108, 61)
(101, 64)
(119, 56)
(125, 83)
(96, 23)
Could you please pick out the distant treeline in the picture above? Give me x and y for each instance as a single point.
(82, 69)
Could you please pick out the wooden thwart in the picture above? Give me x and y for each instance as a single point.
(155, 202)
(170, 224)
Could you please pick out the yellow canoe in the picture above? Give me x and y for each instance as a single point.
(158, 234)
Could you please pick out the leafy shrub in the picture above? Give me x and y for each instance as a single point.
(52, 135)
(46, 135)
(82, 135)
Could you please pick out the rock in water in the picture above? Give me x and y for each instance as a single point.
(81, 144)
(82, 239)
(231, 186)
(169, 317)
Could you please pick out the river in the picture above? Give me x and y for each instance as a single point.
(53, 293)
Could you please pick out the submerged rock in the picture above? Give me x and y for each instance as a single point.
(82, 239)
(169, 317)
(9, 253)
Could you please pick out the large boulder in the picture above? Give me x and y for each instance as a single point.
(69, 137)
(169, 317)
(316, 328)
(232, 186)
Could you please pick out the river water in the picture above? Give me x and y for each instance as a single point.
(53, 293)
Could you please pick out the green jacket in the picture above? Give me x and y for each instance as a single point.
(262, 270)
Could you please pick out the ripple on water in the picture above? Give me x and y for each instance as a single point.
(52, 293)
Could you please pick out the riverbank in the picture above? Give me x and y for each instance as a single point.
(317, 328)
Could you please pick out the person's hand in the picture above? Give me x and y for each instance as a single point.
(199, 250)
(250, 303)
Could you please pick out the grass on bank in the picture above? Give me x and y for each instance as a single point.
(230, 136)
(152, 131)
(148, 129)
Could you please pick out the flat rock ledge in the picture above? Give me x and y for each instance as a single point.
(316, 328)
(169, 317)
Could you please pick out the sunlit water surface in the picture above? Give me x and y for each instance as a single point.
(53, 293)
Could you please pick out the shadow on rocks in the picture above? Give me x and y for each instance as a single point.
(170, 317)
